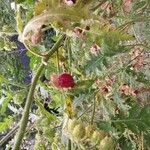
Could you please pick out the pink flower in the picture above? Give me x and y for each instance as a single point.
(127, 90)
(95, 49)
(78, 31)
(127, 5)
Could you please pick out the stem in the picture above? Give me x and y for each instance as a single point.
(126, 65)
(126, 120)
(8, 33)
(142, 141)
(87, 110)
(69, 144)
(17, 85)
(4, 53)
(31, 51)
(69, 54)
(57, 59)
(97, 6)
(138, 39)
(131, 22)
(24, 119)
(122, 120)
(11, 133)
(93, 113)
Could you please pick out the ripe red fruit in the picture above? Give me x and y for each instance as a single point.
(64, 80)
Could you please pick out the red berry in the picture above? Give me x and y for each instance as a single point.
(64, 80)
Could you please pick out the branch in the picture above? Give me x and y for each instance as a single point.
(25, 116)
(11, 133)
(131, 22)
(69, 144)
(97, 6)
(93, 113)
(31, 51)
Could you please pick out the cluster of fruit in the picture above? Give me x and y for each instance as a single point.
(89, 135)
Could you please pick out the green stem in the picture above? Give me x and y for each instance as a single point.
(69, 54)
(18, 85)
(31, 51)
(25, 116)
(142, 141)
(24, 119)
(8, 33)
(10, 134)
(98, 6)
(93, 113)
(138, 39)
(87, 110)
(57, 59)
(123, 120)
(69, 144)
(131, 22)
(126, 120)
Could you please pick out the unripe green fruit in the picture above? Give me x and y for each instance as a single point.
(71, 124)
(89, 131)
(78, 132)
(107, 144)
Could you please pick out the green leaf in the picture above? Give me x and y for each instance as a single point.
(5, 124)
(41, 6)
(19, 97)
(106, 126)
(5, 103)
(20, 1)
(2, 43)
(125, 144)
(19, 21)
(82, 87)
(3, 80)
(111, 42)
(138, 119)
(146, 138)
(139, 76)
(44, 111)
(139, 5)
(94, 62)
